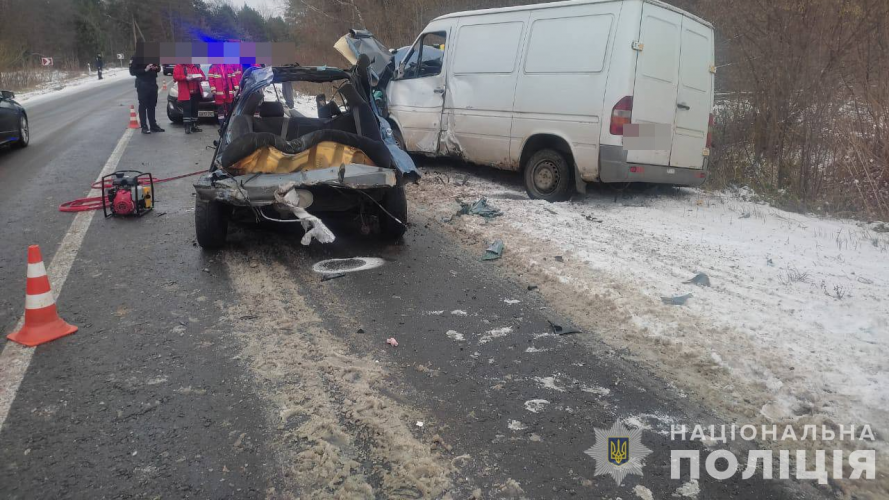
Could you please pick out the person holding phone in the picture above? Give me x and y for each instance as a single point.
(189, 78)
(146, 72)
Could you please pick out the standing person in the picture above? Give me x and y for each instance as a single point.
(146, 88)
(220, 82)
(189, 77)
(100, 64)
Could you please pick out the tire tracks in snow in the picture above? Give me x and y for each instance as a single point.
(339, 436)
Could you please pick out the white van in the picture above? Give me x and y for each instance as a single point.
(567, 92)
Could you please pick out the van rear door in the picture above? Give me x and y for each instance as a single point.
(657, 78)
(695, 97)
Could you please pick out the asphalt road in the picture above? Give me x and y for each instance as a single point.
(241, 374)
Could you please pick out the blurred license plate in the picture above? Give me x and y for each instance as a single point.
(206, 114)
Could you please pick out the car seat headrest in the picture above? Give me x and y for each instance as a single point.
(271, 109)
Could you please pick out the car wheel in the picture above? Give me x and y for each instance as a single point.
(174, 117)
(395, 202)
(24, 133)
(211, 223)
(548, 176)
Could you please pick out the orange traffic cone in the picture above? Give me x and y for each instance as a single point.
(165, 86)
(42, 321)
(134, 122)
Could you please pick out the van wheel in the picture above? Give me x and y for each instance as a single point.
(548, 176)
(395, 202)
(211, 223)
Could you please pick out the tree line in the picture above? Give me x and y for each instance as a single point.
(74, 31)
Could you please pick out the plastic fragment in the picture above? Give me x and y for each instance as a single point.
(391, 341)
(679, 300)
(494, 252)
(480, 208)
(700, 279)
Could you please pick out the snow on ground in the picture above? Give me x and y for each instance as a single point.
(794, 329)
(62, 88)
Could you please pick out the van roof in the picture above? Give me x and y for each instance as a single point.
(566, 3)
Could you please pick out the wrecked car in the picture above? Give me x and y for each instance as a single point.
(284, 167)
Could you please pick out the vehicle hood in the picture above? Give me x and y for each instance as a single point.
(357, 42)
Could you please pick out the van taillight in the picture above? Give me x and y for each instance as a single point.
(621, 115)
(710, 127)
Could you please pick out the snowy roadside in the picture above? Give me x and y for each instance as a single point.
(55, 89)
(794, 329)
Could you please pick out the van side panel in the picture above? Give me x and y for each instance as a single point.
(563, 77)
(481, 85)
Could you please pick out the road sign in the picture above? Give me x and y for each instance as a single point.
(46, 61)
(120, 56)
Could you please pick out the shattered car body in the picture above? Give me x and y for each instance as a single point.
(287, 168)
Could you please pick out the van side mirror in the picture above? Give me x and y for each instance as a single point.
(8, 94)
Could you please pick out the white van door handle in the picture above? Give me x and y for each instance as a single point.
(439, 90)
(684, 106)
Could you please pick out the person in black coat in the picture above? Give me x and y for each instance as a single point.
(145, 72)
(100, 65)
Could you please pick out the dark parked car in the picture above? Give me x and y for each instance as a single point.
(168, 68)
(206, 108)
(13, 121)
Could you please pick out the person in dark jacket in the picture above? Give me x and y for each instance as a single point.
(100, 65)
(145, 72)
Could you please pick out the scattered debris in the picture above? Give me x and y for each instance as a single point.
(515, 425)
(455, 335)
(511, 301)
(494, 334)
(679, 300)
(536, 405)
(328, 277)
(700, 279)
(360, 330)
(562, 330)
(287, 195)
(342, 266)
(559, 258)
(480, 208)
(419, 424)
(458, 312)
(495, 251)
(531, 288)
(391, 341)
(745, 215)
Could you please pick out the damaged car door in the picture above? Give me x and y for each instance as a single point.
(417, 93)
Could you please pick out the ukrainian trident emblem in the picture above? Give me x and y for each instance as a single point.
(618, 451)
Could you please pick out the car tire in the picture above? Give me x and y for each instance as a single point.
(174, 118)
(211, 223)
(395, 202)
(548, 176)
(24, 133)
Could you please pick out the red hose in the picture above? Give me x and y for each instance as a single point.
(95, 203)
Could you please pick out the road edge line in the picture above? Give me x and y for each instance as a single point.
(15, 358)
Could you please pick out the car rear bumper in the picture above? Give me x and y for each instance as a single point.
(206, 109)
(613, 167)
(332, 189)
